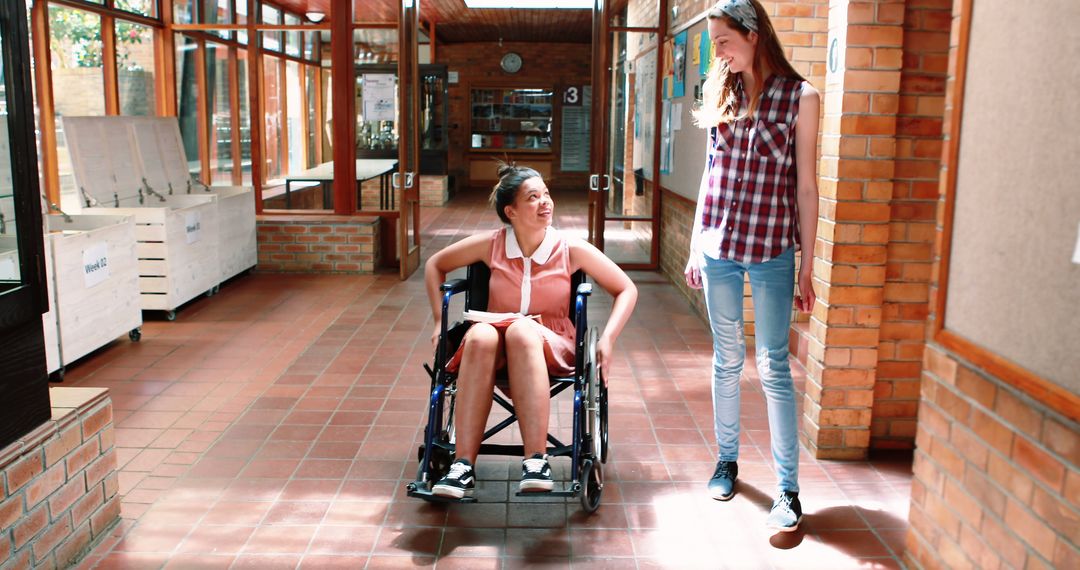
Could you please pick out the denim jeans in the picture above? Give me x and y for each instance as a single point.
(772, 285)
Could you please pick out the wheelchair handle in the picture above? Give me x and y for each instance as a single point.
(584, 289)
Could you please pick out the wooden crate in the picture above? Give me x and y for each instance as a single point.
(93, 282)
(177, 235)
(164, 165)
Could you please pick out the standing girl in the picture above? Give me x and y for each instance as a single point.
(757, 205)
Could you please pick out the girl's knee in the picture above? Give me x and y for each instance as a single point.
(521, 335)
(481, 336)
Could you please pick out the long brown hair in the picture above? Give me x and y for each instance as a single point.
(719, 102)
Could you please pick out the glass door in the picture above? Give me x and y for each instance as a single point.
(407, 178)
(24, 390)
(623, 205)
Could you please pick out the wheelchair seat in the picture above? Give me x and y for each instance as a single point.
(588, 448)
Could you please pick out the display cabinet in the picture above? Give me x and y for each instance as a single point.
(376, 114)
(518, 119)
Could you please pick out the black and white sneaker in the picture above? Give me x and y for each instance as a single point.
(458, 483)
(786, 512)
(536, 474)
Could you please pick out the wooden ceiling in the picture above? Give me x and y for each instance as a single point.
(456, 23)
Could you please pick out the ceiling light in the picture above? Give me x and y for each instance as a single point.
(531, 4)
(315, 17)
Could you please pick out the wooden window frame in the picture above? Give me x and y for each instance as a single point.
(1054, 396)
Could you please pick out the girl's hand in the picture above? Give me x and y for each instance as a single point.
(806, 297)
(604, 350)
(693, 272)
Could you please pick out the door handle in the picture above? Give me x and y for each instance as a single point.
(594, 182)
(409, 178)
(395, 180)
(607, 182)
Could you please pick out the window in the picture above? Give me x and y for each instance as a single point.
(272, 117)
(135, 68)
(295, 116)
(187, 99)
(244, 117)
(78, 76)
(144, 7)
(219, 123)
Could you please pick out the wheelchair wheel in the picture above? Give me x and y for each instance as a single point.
(592, 485)
(595, 399)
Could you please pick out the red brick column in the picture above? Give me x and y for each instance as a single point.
(864, 59)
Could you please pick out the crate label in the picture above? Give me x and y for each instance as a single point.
(95, 264)
(193, 226)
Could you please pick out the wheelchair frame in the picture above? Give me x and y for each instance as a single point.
(587, 451)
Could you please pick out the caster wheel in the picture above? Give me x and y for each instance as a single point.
(135, 334)
(592, 485)
(170, 315)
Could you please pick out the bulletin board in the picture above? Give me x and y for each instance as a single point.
(1010, 262)
(687, 148)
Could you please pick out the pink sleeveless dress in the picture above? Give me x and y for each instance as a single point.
(534, 285)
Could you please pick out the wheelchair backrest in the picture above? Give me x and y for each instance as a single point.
(479, 276)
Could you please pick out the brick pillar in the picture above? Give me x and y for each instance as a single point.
(864, 60)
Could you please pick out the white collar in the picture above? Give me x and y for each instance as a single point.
(542, 253)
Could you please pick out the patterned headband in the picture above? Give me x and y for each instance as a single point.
(742, 11)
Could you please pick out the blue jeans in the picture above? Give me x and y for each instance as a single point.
(772, 285)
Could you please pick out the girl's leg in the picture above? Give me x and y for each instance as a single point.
(772, 285)
(722, 282)
(475, 384)
(528, 384)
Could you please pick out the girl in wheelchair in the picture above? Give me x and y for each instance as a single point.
(531, 265)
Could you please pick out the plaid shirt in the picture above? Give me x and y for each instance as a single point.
(750, 213)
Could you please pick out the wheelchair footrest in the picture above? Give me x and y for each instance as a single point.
(416, 490)
(571, 491)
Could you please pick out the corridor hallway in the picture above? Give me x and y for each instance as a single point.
(276, 424)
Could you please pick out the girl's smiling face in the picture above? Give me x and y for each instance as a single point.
(732, 47)
(533, 206)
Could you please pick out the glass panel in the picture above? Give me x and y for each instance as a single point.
(628, 242)
(218, 12)
(272, 117)
(432, 101)
(78, 78)
(187, 100)
(241, 18)
(326, 130)
(184, 11)
(135, 68)
(638, 89)
(244, 116)
(375, 45)
(294, 116)
(220, 120)
(311, 43)
(293, 39)
(310, 84)
(144, 7)
(644, 14)
(9, 245)
(511, 118)
(271, 40)
(376, 112)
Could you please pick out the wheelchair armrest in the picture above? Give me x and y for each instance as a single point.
(584, 289)
(455, 286)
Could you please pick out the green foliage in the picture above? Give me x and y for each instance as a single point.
(76, 38)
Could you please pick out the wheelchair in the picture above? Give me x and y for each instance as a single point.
(589, 448)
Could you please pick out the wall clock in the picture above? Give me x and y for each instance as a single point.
(510, 63)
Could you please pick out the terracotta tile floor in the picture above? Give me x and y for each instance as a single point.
(275, 425)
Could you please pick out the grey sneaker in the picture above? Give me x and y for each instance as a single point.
(458, 483)
(722, 484)
(786, 513)
(536, 474)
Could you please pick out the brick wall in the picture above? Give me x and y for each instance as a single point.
(997, 475)
(912, 218)
(59, 485)
(318, 244)
(545, 64)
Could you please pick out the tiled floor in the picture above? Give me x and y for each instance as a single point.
(274, 425)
